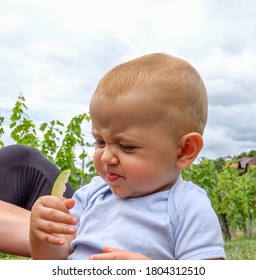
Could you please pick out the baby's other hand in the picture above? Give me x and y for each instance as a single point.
(117, 254)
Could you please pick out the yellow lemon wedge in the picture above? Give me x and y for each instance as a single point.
(59, 186)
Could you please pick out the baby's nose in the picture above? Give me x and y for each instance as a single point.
(109, 157)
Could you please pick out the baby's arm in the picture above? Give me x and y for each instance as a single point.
(51, 228)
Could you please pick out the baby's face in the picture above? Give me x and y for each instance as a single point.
(134, 153)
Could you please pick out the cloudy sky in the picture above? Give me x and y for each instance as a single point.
(55, 51)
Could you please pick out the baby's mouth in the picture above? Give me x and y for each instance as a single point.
(112, 177)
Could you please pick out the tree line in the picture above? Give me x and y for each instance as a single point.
(232, 195)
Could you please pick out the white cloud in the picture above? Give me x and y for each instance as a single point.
(54, 52)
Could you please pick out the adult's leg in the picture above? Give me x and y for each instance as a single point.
(14, 229)
(25, 175)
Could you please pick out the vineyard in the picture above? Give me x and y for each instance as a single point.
(232, 193)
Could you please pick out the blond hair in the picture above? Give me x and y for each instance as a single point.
(171, 80)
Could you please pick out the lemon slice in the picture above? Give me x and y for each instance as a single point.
(59, 186)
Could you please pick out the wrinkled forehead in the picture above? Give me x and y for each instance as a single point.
(131, 109)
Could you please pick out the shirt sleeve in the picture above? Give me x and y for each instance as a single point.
(197, 231)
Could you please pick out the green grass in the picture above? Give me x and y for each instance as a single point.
(241, 248)
(11, 257)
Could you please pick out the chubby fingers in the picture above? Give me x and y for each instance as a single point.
(53, 209)
(50, 219)
(69, 202)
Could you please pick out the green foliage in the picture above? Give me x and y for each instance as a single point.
(23, 128)
(52, 133)
(204, 175)
(251, 153)
(248, 182)
(1, 131)
(219, 163)
(59, 143)
(233, 197)
(65, 158)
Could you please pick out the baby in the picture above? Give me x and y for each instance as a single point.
(148, 117)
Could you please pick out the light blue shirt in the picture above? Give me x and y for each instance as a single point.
(179, 223)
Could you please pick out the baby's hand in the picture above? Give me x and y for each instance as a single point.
(50, 219)
(116, 254)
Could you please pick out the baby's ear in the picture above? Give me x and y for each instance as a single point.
(189, 147)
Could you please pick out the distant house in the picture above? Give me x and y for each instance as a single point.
(243, 163)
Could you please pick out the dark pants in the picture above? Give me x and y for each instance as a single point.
(25, 175)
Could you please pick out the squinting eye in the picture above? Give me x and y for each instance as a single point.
(126, 148)
(99, 143)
